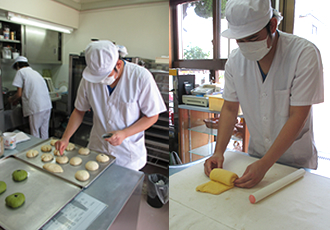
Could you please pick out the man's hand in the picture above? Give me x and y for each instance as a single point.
(117, 138)
(253, 174)
(61, 145)
(215, 161)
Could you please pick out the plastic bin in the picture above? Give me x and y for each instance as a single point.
(158, 190)
(215, 102)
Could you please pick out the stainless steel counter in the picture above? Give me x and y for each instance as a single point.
(118, 187)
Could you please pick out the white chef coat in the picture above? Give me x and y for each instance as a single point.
(35, 94)
(295, 78)
(135, 95)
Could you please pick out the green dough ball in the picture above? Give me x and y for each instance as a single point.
(19, 175)
(3, 187)
(15, 200)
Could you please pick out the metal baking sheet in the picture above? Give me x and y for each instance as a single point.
(68, 170)
(45, 195)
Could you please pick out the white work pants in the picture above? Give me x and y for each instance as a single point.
(39, 124)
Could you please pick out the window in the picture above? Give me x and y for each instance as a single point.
(195, 36)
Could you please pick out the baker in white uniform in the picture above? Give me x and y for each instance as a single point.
(36, 103)
(276, 78)
(125, 100)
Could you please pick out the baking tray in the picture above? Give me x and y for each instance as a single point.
(68, 170)
(45, 195)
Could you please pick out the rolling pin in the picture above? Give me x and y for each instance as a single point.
(277, 185)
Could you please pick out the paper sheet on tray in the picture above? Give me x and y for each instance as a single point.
(78, 214)
(20, 137)
(302, 205)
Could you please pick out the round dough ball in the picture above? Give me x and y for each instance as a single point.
(82, 175)
(91, 165)
(102, 158)
(46, 148)
(19, 175)
(70, 147)
(75, 161)
(3, 186)
(62, 159)
(32, 153)
(84, 151)
(54, 168)
(57, 153)
(46, 157)
(15, 200)
(52, 142)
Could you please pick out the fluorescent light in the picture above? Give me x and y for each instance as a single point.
(38, 23)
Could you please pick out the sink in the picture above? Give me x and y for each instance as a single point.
(14, 118)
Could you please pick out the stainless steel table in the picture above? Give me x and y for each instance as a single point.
(118, 187)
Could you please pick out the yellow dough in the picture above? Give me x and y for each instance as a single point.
(221, 181)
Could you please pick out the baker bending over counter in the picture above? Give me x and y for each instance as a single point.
(276, 78)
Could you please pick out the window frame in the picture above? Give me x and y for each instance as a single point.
(216, 63)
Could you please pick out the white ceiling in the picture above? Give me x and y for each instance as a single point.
(98, 4)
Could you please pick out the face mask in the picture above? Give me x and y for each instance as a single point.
(254, 51)
(108, 80)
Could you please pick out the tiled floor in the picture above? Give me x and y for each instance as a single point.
(151, 218)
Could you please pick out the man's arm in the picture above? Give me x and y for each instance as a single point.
(227, 120)
(288, 134)
(142, 124)
(73, 124)
(17, 96)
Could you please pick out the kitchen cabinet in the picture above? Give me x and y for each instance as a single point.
(39, 45)
(198, 141)
(42, 46)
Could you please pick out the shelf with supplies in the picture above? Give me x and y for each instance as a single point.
(10, 40)
(157, 136)
(197, 140)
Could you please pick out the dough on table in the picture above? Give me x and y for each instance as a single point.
(82, 175)
(75, 161)
(84, 151)
(57, 153)
(15, 200)
(102, 158)
(91, 165)
(70, 147)
(47, 157)
(52, 142)
(221, 181)
(54, 168)
(19, 175)
(32, 153)
(46, 148)
(62, 159)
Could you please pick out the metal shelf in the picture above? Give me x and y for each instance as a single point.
(214, 132)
